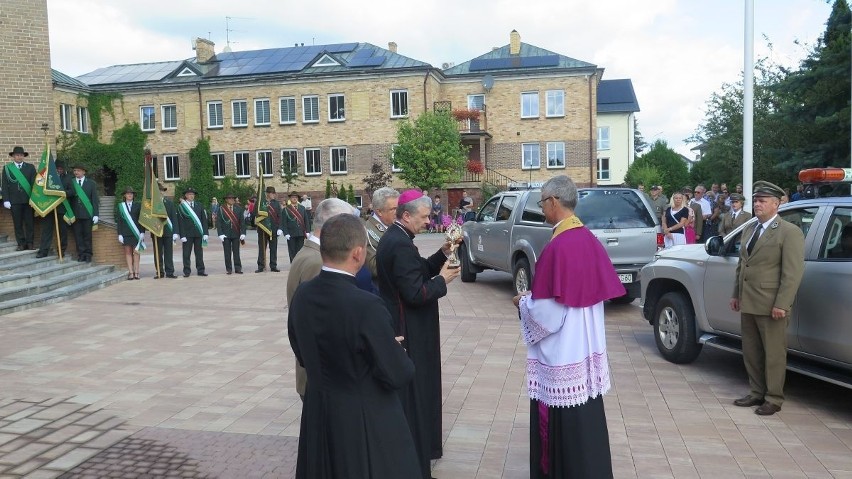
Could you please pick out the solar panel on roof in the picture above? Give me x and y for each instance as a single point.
(341, 48)
(490, 64)
(367, 62)
(540, 61)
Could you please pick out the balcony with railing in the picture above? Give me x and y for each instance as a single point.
(471, 122)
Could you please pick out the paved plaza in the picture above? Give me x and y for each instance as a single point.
(194, 377)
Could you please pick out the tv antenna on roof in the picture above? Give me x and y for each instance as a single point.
(228, 31)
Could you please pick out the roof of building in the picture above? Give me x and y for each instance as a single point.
(530, 58)
(303, 60)
(617, 96)
(60, 78)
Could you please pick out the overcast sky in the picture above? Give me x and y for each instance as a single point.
(677, 52)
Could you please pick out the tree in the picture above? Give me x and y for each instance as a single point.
(662, 163)
(429, 151)
(639, 143)
(243, 189)
(328, 188)
(200, 173)
(378, 178)
(289, 176)
(350, 195)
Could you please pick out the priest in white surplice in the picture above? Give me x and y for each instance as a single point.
(562, 322)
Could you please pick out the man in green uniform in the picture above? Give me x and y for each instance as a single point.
(272, 222)
(17, 183)
(659, 200)
(769, 271)
(192, 222)
(47, 226)
(384, 212)
(232, 231)
(165, 243)
(297, 224)
(84, 201)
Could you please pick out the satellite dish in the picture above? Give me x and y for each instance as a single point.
(487, 82)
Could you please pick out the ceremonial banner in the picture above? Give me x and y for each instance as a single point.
(153, 215)
(48, 192)
(260, 208)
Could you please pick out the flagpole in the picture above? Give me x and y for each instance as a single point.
(156, 255)
(58, 239)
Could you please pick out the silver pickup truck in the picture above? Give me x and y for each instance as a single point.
(509, 233)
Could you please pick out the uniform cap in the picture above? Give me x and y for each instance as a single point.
(765, 188)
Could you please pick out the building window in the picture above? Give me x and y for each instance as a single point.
(218, 165)
(603, 169)
(240, 111)
(531, 156)
(312, 162)
(241, 164)
(169, 113)
(555, 103)
(399, 103)
(289, 160)
(65, 117)
(359, 201)
(310, 109)
(82, 119)
(287, 109)
(261, 112)
(264, 163)
(394, 168)
(147, 118)
(338, 160)
(556, 154)
(336, 110)
(603, 138)
(529, 104)
(171, 164)
(214, 114)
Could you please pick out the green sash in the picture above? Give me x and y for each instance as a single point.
(140, 239)
(20, 177)
(87, 203)
(197, 222)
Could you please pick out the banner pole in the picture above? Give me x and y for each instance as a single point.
(58, 239)
(156, 255)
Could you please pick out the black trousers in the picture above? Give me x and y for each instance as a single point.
(83, 236)
(47, 233)
(294, 245)
(231, 246)
(22, 217)
(165, 252)
(191, 244)
(262, 241)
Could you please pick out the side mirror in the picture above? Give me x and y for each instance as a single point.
(715, 246)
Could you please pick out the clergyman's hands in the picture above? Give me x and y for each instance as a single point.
(448, 273)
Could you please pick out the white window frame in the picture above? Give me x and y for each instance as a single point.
(65, 118)
(555, 148)
(554, 99)
(234, 104)
(529, 99)
(258, 110)
(331, 159)
(291, 161)
(308, 161)
(603, 138)
(210, 106)
(142, 122)
(601, 170)
(164, 126)
(238, 155)
(166, 159)
(282, 119)
(399, 114)
(270, 172)
(341, 110)
(394, 168)
(531, 148)
(82, 119)
(359, 201)
(218, 159)
(306, 110)
(326, 61)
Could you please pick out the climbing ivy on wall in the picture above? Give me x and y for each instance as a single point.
(98, 104)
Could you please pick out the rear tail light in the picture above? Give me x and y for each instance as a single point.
(661, 243)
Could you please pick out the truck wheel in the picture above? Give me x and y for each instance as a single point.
(674, 328)
(522, 278)
(467, 276)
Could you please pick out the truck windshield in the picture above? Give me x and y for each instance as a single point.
(613, 209)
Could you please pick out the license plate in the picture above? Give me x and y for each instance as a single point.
(626, 278)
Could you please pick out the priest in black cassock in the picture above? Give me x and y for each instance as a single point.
(411, 286)
(353, 424)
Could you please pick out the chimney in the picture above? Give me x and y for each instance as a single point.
(392, 47)
(204, 50)
(514, 43)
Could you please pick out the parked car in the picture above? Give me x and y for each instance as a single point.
(509, 233)
(686, 294)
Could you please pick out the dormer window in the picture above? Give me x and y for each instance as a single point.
(186, 72)
(326, 61)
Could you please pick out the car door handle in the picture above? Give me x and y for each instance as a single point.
(612, 241)
(505, 232)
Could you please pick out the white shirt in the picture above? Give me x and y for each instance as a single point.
(333, 270)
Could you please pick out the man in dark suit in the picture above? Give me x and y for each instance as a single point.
(737, 216)
(192, 222)
(296, 224)
(769, 272)
(352, 423)
(165, 243)
(17, 186)
(232, 231)
(47, 226)
(273, 224)
(85, 204)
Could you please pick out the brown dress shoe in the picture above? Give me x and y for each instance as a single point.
(767, 409)
(748, 401)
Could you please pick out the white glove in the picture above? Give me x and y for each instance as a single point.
(242, 237)
(7, 205)
(183, 240)
(287, 237)
(204, 238)
(174, 237)
(94, 220)
(121, 239)
(222, 237)
(280, 233)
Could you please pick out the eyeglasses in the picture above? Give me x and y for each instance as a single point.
(540, 203)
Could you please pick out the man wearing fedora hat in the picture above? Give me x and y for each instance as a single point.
(192, 223)
(47, 228)
(232, 231)
(273, 224)
(17, 185)
(297, 223)
(736, 217)
(84, 202)
(165, 243)
(769, 272)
